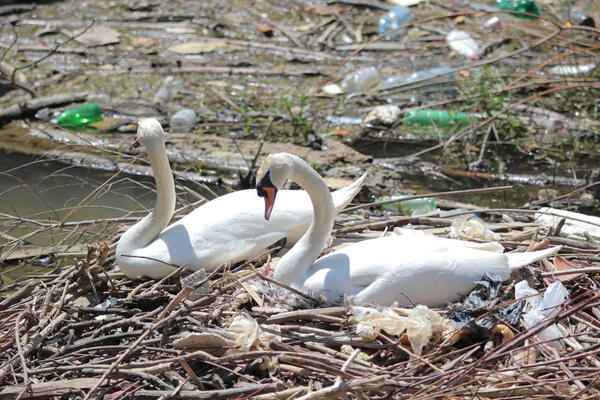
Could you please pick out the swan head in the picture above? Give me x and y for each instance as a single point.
(271, 176)
(149, 133)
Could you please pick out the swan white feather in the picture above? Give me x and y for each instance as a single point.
(407, 269)
(228, 229)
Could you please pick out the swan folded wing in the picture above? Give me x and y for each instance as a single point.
(229, 229)
(432, 282)
(385, 270)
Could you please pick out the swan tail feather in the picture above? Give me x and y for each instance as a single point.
(343, 196)
(518, 260)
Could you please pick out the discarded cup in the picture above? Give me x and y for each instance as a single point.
(462, 43)
(429, 117)
(360, 80)
(396, 17)
(527, 6)
(80, 116)
(183, 120)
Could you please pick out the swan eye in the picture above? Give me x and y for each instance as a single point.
(265, 182)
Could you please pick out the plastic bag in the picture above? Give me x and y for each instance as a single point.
(419, 323)
(540, 309)
(471, 229)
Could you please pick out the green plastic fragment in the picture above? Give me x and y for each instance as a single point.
(527, 6)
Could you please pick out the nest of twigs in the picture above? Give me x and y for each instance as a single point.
(86, 331)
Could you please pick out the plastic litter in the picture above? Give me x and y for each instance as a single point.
(412, 206)
(111, 301)
(420, 324)
(167, 91)
(242, 333)
(471, 229)
(576, 224)
(492, 24)
(441, 118)
(405, 2)
(572, 69)
(183, 120)
(341, 119)
(332, 88)
(360, 80)
(384, 115)
(575, 16)
(347, 349)
(539, 309)
(475, 313)
(527, 6)
(80, 116)
(462, 43)
(248, 333)
(395, 17)
(393, 81)
(193, 281)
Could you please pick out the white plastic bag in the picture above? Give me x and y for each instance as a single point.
(540, 309)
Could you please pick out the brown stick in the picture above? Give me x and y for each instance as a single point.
(29, 107)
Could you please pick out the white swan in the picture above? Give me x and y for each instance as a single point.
(408, 269)
(227, 229)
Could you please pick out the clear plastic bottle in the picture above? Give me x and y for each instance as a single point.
(462, 43)
(360, 80)
(80, 116)
(183, 120)
(417, 75)
(167, 91)
(572, 69)
(396, 17)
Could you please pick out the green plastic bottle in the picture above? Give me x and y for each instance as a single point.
(429, 117)
(80, 116)
(412, 207)
(527, 6)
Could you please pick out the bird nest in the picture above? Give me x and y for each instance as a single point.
(83, 330)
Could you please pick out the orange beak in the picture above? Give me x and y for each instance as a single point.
(136, 143)
(269, 201)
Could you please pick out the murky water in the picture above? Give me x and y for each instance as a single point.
(47, 190)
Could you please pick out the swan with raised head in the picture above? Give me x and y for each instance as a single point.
(406, 270)
(228, 229)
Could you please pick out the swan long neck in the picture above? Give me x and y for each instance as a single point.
(148, 228)
(294, 265)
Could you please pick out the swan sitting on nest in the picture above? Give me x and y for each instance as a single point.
(407, 269)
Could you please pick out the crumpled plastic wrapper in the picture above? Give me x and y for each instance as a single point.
(242, 334)
(248, 333)
(540, 309)
(471, 229)
(419, 323)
